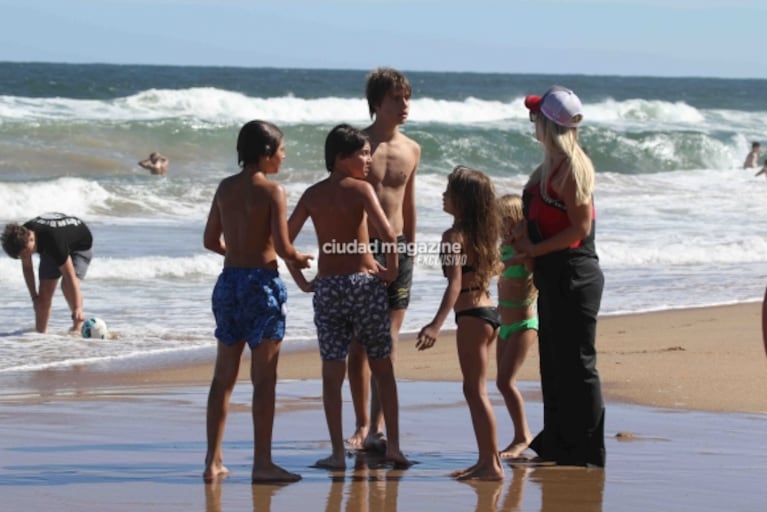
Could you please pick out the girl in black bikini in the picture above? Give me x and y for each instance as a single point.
(470, 199)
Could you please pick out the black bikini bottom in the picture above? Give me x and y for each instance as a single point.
(487, 313)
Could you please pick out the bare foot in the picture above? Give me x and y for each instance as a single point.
(273, 475)
(375, 442)
(331, 462)
(514, 450)
(357, 441)
(214, 471)
(458, 473)
(399, 460)
(483, 473)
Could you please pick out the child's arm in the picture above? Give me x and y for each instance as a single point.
(212, 239)
(381, 224)
(452, 268)
(29, 275)
(279, 228)
(294, 225)
(300, 279)
(519, 239)
(408, 209)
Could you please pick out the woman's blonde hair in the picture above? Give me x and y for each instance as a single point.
(559, 140)
(476, 217)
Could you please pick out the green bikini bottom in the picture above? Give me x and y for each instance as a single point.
(508, 329)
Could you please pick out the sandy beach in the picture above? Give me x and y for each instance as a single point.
(685, 416)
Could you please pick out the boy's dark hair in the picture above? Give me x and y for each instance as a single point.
(382, 80)
(257, 139)
(755, 145)
(14, 239)
(342, 141)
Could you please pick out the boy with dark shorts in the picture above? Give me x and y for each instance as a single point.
(392, 175)
(350, 299)
(398, 290)
(64, 244)
(247, 225)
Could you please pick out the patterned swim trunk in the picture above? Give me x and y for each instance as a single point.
(351, 306)
(249, 304)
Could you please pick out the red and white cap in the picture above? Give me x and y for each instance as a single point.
(559, 104)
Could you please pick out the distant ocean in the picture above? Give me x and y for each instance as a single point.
(679, 224)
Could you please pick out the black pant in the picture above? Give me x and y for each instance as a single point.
(570, 291)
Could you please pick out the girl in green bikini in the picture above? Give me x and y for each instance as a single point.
(519, 323)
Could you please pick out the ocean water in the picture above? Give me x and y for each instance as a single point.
(679, 223)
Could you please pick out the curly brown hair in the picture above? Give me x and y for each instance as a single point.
(14, 239)
(476, 217)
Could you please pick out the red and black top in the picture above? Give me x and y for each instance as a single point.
(546, 214)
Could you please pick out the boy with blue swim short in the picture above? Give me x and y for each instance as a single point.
(249, 304)
(350, 298)
(247, 225)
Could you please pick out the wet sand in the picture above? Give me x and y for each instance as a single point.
(128, 438)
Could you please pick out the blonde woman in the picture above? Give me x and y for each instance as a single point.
(560, 215)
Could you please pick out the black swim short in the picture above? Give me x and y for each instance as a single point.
(399, 289)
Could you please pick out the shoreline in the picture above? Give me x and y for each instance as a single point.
(706, 359)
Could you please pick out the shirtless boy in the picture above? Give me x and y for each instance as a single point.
(247, 225)
(392, 175)
(350, 297)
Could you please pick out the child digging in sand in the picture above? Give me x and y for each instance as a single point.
(247, 225)
(519, 323)
(350, 299)
(469, 260)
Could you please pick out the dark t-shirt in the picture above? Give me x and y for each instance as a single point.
(59, 235)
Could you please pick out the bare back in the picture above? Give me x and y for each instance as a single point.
(242, 212)
(392, 174)
(476, 294)
(337, 210)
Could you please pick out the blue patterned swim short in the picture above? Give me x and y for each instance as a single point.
(249, 304)
(348, 306)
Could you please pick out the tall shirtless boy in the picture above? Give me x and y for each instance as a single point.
(392, 175)
(350, 287)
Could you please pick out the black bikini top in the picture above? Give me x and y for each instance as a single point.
(465, 269)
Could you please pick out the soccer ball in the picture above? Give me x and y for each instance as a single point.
(94, 328)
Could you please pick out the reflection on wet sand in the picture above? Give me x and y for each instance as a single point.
(99, 454)
(372, 485)
(568, 488)
(559, 488)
